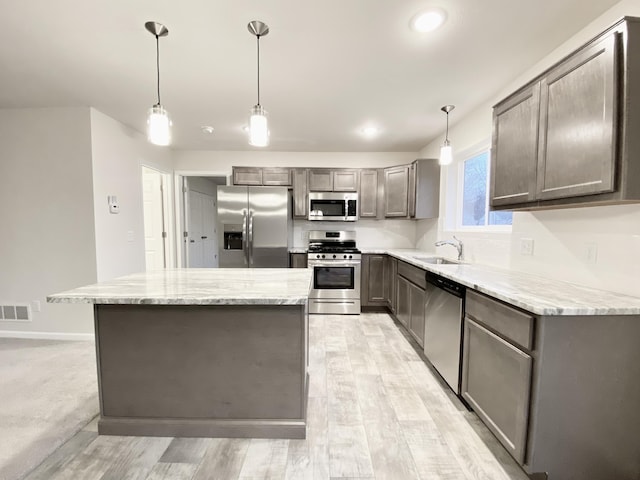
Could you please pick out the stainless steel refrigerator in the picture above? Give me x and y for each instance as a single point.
(254, 226)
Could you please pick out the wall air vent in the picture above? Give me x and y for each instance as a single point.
(20, 313)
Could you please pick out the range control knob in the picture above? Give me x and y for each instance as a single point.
(322, 256)
(317, 256)
(344, 256)
(334, 256)
(350, 256)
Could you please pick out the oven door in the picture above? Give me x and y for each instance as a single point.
(335, 279)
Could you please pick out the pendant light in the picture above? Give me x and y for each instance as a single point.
(446, 154)
(258, 126)
(158, 123)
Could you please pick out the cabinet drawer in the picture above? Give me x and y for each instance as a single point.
(514, 324)
(413, 274)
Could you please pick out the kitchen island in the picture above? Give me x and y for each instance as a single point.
(201, 352)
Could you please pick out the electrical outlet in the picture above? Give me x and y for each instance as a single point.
(526, 246)
(35, 306)
(590, 252)
(130, 236)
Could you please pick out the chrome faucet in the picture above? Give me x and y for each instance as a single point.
(457, 243)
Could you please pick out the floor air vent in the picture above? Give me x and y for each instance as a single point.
(15, 312)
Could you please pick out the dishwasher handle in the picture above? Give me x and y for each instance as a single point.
(450, 286)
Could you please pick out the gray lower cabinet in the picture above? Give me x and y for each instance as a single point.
(411, 299)
(403, 299)
(391, 283)
(373, 285)
(298, 260)
(496, 382)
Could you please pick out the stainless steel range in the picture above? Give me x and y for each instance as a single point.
(336, 272)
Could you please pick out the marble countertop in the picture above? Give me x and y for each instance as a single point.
(198, 286)
(533, 293)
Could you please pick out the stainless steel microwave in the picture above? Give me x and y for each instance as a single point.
(333, 206)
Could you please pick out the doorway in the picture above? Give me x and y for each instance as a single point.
(155, 197)
(200, 215)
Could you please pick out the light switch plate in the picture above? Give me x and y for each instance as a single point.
(526, 246)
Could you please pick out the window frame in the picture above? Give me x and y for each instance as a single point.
(459, 160)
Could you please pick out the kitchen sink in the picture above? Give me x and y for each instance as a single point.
(438, 260)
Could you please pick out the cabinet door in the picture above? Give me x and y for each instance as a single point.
(411, 191)
(247, 176)
(396, 191)
(496, 381)
(320, 181)
(578, 117)
(514, 153)
(376, 279)
(345, 180)
(403, 305)
(298, 260)
(276, 176)
(368, 197)
(300, 193)
(416, 325)
(392, 280)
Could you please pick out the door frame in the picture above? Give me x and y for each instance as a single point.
(181, 216)
(168, 223)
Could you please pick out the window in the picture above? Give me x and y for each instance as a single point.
(474, 199)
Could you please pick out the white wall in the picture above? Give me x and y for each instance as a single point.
(47, 243)
(370, 233)
(561, 237)
(118, 153)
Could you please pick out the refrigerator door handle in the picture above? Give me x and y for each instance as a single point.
(250, 238)
(244, 237)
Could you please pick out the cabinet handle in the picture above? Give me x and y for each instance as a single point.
(203, 237)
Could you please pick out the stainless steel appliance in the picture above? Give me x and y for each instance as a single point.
(336, 272)
(254, 226)
(333, 206)
(444, 311)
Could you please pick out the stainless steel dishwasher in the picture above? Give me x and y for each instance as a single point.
(444, 311)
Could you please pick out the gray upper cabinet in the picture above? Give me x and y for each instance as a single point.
(300, 192)
(368, 197)
(577, 148)
(276, 176)
(514, 152)
(333, 180)
(273, 176)
(345, 180)
(396, 191)
(247, 176)
(569, 137)
(320, 180)
(412, 190)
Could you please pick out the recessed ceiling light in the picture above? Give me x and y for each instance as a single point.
(428, 20)
(370, 131)
(206, 129)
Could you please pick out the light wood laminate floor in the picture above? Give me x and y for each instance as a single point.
(376, 411)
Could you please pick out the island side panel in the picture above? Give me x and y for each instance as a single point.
(216, 370)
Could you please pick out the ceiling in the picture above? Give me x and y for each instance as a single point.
(328, 68)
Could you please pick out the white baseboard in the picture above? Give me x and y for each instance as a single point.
(46, 335)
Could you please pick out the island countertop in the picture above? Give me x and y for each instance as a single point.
(198, 286)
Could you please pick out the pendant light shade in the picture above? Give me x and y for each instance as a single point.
(258, 123)
(446, 152)
(158, 122)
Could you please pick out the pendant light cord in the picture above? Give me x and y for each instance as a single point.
(158, 65)
(446, 136)
(258, 40)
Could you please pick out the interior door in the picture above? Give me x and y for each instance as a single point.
(209, 238)
(195, 230)
(268, 227)
(154, 236)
